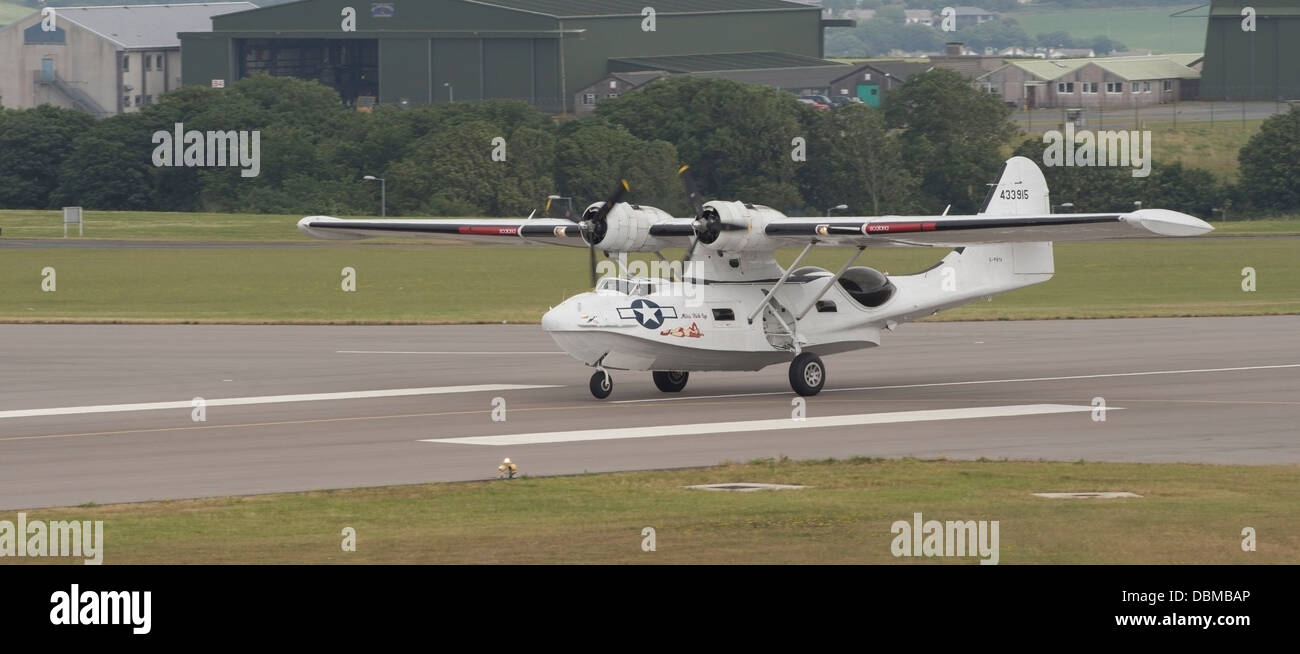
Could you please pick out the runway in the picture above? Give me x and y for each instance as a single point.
(106, 413)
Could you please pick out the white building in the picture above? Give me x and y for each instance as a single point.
(100, 60)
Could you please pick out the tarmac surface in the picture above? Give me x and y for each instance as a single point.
(106, 413)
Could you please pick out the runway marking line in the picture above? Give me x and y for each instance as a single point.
(703, 428)
(494, 353)
(267, 399)
(970, 383)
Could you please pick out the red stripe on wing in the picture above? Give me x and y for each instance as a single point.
(488, 230)
(897, 228)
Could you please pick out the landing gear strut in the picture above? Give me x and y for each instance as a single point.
(670, 382)
(807, 374)
(601, 384)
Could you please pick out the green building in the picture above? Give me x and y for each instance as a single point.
(1263, 64)
(539, 51)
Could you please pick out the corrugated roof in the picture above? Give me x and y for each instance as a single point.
(900, 69)
(1155, 67)
(149, 26)
(783, 78)
(1048, 69)
(724, 61)
(1132, 68)
(1187, 59)
(639, 77)
(575, 8)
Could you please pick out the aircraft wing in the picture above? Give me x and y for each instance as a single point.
(955, 231)
(555, 231)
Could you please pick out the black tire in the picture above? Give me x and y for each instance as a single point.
(601, 385)
(807, 374)
(669, 381)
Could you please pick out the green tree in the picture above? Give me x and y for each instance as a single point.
(861, 164)
(1091, 189)
(591, 156)
(737, 137)
(33, 146)
(449, 171)
(111, 166)
(529, 175)
(952, 136)
(1193, 191)
(1270, 164)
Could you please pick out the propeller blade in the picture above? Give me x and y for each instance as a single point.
(593, 228)
(693, 197)
(612, 200)
(692, 191)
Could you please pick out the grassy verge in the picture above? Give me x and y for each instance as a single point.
(156, 226)
(12, 11)
(1212, 147)
(272, 228)
(492, 284)
(1187, 514)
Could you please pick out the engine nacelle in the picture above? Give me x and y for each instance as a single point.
(736, 226)
(627, 228)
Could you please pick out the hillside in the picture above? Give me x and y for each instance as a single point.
(1139, 28)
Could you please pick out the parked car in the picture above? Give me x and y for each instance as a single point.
(822, 103)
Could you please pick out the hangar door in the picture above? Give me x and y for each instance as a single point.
(349, 66)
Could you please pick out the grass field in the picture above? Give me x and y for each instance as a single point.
(12, 11)
(156, 226)
(1195, 144)
(281, 228)
(1187, 514)
(1138, 28)
(433, 284)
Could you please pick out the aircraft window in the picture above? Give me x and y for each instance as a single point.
(724, 314)
(616, 285)
(826, 306)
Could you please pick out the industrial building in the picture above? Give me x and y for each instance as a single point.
(540, 51)
(1241, 64)
(100, 60)
(1095, 82)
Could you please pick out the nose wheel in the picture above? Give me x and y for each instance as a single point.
(807, 374)
(602, 384)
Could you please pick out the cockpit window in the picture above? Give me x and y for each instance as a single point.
(633, 287)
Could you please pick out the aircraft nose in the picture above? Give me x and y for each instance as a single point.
(552, 320)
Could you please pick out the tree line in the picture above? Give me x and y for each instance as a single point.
(935, 142)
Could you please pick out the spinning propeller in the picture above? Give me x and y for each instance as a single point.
(594, 224)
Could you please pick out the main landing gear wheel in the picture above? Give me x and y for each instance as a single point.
(670, 382)
(807, 374)
(601, 384)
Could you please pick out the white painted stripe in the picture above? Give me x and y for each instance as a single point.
(266, 399)
(766, 425)
(967, 383)
(495, 353)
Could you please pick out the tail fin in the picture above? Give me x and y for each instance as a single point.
(1021, 191)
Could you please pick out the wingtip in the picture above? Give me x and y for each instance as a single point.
(1166, 222)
